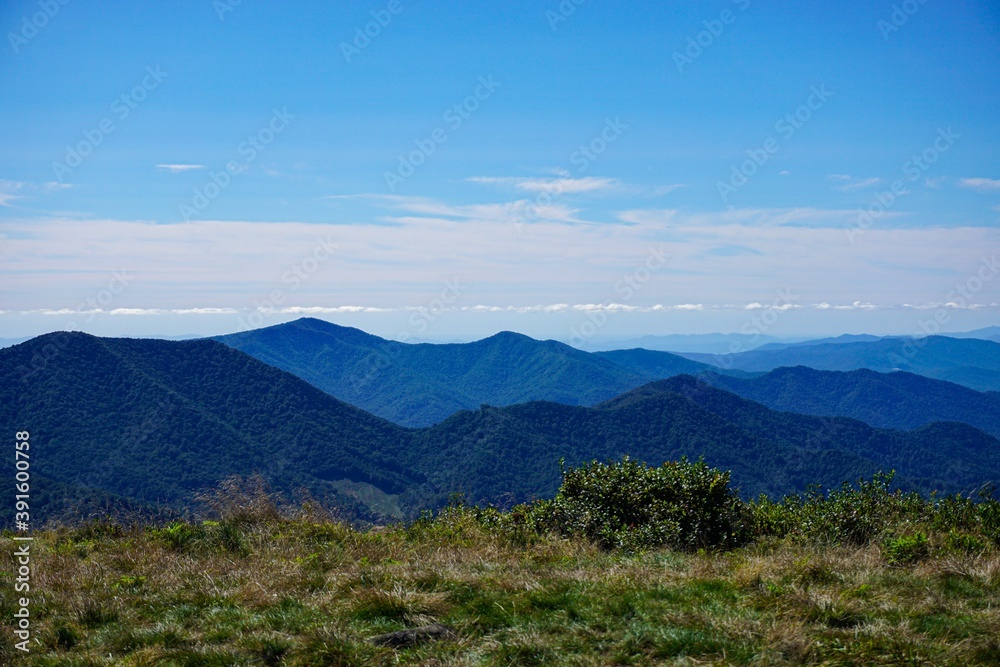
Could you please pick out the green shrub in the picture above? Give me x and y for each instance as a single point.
(179, 535)
(954, 512)
(965, 542)
(907, 549)
(769, 518)
(852, 515)
(632, 506)
(988, 512)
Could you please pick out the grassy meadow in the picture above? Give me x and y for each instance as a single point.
(262, 586)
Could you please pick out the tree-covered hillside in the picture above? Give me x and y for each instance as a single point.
(147, 423)
(154, 421)
(970, 362)
(887, 400)
(423, 384)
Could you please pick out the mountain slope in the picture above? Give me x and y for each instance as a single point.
(712, 343)
(422, 384)
(654, 364)
(511, 452)
(150, 422)
(155, 420)
(838, 340)
(886, 400)
(970, 362)
(937, 455)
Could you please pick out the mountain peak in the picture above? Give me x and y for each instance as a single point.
(509, 336)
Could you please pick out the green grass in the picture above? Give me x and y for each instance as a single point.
(859, 576)
(296, 592)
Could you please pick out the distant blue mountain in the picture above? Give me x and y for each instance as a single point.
(888, 400)
(971, 362)
(422, 384)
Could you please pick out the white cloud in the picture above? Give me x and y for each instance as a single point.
(57, 263)
(483, 308)
(11, 190)
(857, 305)
(980, 184)
(661, 216)
(565, 185)
(659, 190)
(554, 186)
(179, 168)
(520, 211)
(860, 184)
(764, 217)
(328, 310)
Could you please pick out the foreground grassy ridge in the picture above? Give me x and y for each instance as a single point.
(273, 591)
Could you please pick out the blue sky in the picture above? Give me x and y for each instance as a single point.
(578, 170)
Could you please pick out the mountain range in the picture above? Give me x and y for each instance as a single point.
(150, 422)
(972, 362)
(423, 384)
(888, 400)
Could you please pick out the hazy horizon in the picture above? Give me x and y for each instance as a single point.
(698, 341)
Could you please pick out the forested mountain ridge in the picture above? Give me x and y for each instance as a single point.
(422, 384)
(155, 420)
(896, 400)
(971, 362)
(151, 422)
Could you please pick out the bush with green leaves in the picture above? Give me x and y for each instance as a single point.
(907, 549)
(631, 506)
(988, 515)
(848, 515)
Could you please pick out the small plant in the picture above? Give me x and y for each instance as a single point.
(907, 549)
(130, 582)
(178, 534)
(243, 501)
(965, 543)
(989, 519)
